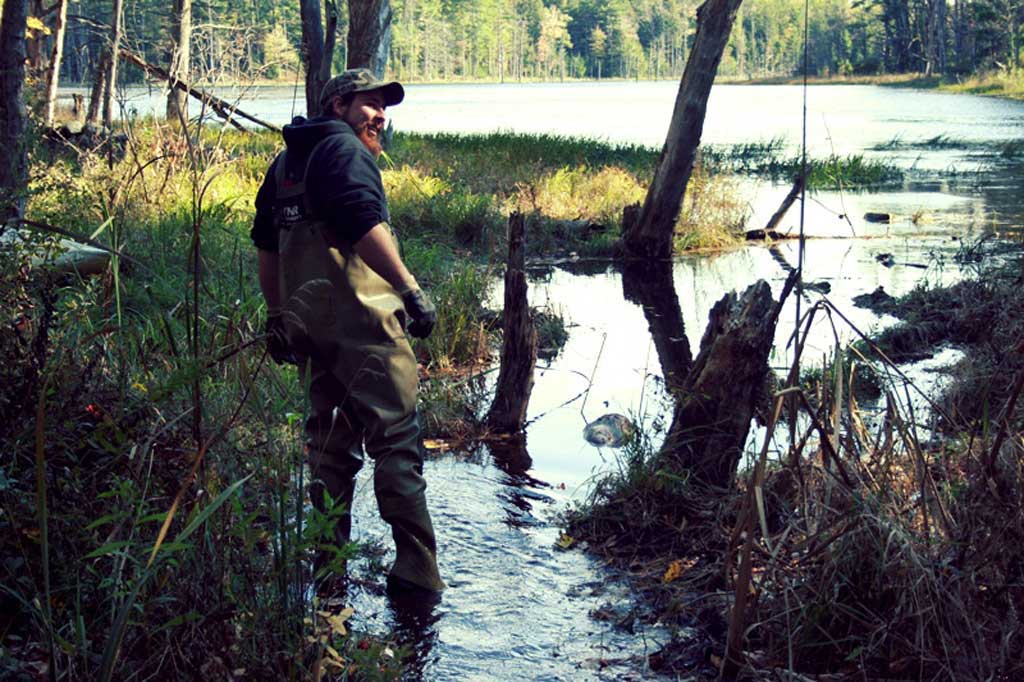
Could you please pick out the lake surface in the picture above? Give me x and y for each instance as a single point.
(518, 608)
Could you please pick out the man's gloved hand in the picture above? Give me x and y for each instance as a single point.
(422, 314)
(277, 341)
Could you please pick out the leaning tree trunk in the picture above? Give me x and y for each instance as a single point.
(316, 52)
(711, 421)
(13, 163)
(369, 34)
(181, 54)
(53, 71)
(110, 87)
(651, 235)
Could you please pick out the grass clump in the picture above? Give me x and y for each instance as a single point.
(1000, 83)
(769, 159)
(593, 196)
(430, 207)
(552, 333)
(713, 215)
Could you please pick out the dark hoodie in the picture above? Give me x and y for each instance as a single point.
(343, 185)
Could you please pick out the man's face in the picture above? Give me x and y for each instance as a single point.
(366, 117)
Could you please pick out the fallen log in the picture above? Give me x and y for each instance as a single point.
(519, 345)
(722, 390)
(221, 107)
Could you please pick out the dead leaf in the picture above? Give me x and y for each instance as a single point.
(565, 541)
(337, 621)
(676, 569)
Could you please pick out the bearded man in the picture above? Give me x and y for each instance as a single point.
(339, 301)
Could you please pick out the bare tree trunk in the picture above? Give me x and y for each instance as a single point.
(35, 42)
(313, 53)
(519, 347)
(99, 86)
(110, 87)
(651, 235)
(13, 164)
(181, 57)
(53, 72)
(369, 34)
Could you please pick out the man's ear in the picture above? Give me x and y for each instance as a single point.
(337, 109)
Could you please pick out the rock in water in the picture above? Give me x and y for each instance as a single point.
(609, 430)
(873, 217)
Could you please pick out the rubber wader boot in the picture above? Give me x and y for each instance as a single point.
(399, 486)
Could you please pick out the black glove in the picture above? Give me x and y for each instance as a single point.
(421, 312)
(277, 341)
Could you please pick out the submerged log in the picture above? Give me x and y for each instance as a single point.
(720, 394)
(519, 347)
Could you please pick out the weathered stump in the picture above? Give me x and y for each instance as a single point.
(718, 399)
(519, 346)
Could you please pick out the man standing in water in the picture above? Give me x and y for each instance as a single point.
(339, 299)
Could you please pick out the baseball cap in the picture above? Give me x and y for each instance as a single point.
(360, 80)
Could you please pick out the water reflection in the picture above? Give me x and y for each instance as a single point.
(651, 286)
(520, 491)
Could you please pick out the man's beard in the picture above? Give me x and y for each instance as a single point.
(372, 142)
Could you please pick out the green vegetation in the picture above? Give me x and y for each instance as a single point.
(573, 191)
(769, 159)
(143, 400)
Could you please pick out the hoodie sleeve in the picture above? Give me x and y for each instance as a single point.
(263, 234)
(346, 189)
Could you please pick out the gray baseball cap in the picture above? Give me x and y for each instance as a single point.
(360, 80)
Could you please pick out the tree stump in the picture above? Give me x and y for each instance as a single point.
(519, 346)
(717, 401)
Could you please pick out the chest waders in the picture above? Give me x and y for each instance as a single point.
(345, 323)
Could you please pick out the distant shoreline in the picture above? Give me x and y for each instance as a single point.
(1006, 85)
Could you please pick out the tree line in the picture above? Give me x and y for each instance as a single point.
(547, 39)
